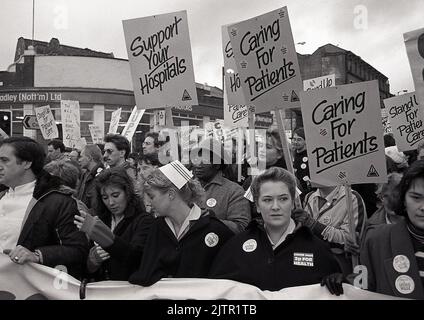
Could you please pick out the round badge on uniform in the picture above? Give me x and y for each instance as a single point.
(404, 284)
(211, 239)
(211, 202)
(305, 159)
(250, 245)
(401, 263)
(303, 166)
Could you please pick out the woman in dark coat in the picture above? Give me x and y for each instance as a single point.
(119, 228)
(183, 240)
(394, 253)
(275, 254)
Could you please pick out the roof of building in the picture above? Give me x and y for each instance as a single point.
(54, 48)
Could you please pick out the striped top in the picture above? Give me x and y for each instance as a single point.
(419, 255)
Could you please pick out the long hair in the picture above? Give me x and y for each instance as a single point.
(116, 177)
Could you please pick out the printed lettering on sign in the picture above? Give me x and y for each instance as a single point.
(346, 145)
(266, 61)
(159, 53)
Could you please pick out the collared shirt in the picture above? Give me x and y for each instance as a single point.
(194, 214)
(13, 206)
(115, 221)
(289, 230)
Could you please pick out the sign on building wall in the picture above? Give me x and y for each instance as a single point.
(344, 143)
(266, 60)
(406, 118)
(319, 82)
(46, 122)
(132, 123)
(414, 43)
(160, 58)
(71, 126)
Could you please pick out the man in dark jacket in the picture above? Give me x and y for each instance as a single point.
(90, 161)
(36, 215)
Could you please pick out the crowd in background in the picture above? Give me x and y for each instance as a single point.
(109, 214)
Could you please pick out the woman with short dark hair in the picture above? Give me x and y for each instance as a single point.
(394, 253)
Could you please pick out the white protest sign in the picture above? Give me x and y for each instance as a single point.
(406, 118)
(96, 133)
(114, 121)
(414, 43)
(159, 53)
(159, 117)
(70, 114)
(46, 122)
(320, 82)
(235, 107)
(132, 123)
(345, 146)
(266, 60)
(385, 121)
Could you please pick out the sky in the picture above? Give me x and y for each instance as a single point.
(372, 29)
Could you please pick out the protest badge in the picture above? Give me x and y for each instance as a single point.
(114, 121)
(385, 121)
(46, 122)
(344, 144)
(320, 82)
(406, 118)
(159, 54)
(414, 43)
(70, 114)
(235, 107)
(266, 60)
(96, 133)
(132, 123)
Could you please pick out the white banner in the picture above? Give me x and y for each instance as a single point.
(266, 60)
(159, 53)
(70, 112)
(114, 121)
(132, 123)
(32, 281)
(345, 146)
(46, 122)
(406, 118)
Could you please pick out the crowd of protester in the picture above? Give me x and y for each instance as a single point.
(108, 214)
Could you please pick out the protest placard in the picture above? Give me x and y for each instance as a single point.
(344, 144)
(70, 114)
(320, 82)
(266, 60)
(46, 122)
(385, 121)
(406, 118)
(114, 121)
(132, 123)
(160, 58)
(235, 107)
(414, 43)
(96, 133)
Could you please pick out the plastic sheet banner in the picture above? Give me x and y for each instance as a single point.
(33, 281)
